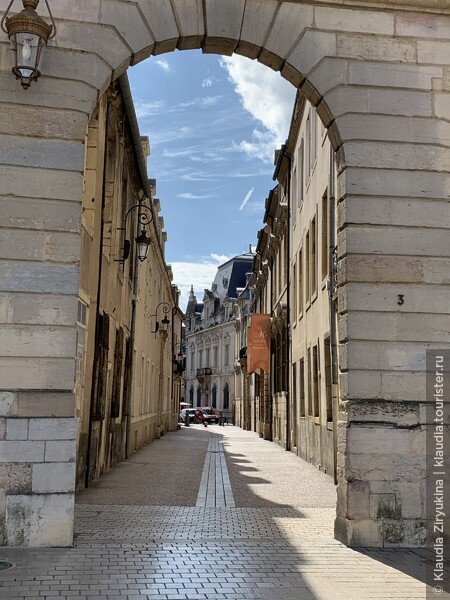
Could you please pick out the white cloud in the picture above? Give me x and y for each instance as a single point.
(246, 199)
(221, 258)
(201, 102)
(267, 97)
(200, 274)
(148, 109)
(190, 196)
(164, 65)
(207, 82)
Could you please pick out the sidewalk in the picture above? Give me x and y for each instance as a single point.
(211, 513)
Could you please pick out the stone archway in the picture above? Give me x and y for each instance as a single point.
(378, 74)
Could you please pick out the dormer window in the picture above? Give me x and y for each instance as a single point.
(225, 282)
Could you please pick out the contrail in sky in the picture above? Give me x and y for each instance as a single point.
(246, 199)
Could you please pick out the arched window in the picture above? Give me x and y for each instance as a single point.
(214, 396)
(191, 395)
(226, 397)
(199, 396)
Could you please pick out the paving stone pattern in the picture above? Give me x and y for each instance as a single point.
(278, 551)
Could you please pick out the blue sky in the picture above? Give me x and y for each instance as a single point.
(213, 123)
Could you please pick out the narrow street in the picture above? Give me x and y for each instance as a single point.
(211, 513)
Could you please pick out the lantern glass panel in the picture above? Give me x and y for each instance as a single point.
(28, 50)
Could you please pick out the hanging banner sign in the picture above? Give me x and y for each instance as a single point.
(258, 350)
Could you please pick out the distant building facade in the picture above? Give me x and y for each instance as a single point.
(210, 338)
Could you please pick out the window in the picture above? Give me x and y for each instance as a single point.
(307, 269)
(226, 397)
(294, 194)
(295, 293)
(302, 387)
(325, 235)
(200, 359)
(207, 357)
(117, 374)
(308, 368)
(300, 175)
(100, 368)
(294, 404)
(313, 153)
(191, 395)
(315, 378)
(192, 366)
(199, 396)
(300, 282)
(216, 356)
(214, 396)
(227, 355)
(307, 148)
(328, 389)
(313, 256)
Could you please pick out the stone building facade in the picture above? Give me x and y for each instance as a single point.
(210, 338)
(124, 396)
(377, 74)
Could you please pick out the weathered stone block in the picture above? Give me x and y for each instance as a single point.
(433, 52)
(57, 186)
(8, 404)
(52, 429)
(354, 20)
(50, 478)
(45, 404)
(2, 429)
(21, 451)
(42, 123)
(190, 18)
(40, 214)
(160, 17)
(39, 309)
(64, 451)
(318, 44)
(370, 440)
(15, 479)
(17, 429)
(33, 152)
(127, 20)
(404, 533)
(40, 520)
(285, 30)
(395, 76)
(400, 102)
(358, 499)
(373, 48)
(384, 506)
(258, 16)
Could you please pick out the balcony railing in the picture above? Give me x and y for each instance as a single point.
(203, 372)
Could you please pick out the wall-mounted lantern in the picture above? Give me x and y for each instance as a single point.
(144, 217)
(163, 326)
(28, 34)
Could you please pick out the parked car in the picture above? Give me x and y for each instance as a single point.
(210, 414)
(190, 411)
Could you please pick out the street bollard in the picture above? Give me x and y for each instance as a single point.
(187, 419)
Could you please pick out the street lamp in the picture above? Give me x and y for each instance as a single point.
(144, 217)
(163, 326)
(28, 34)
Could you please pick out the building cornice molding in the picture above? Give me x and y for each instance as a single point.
(431, 6)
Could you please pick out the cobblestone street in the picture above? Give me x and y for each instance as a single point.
(210, 514)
